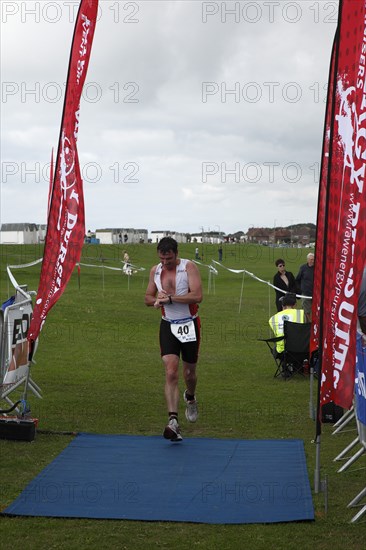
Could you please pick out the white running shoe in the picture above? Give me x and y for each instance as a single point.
(172, 430)
(191, 409)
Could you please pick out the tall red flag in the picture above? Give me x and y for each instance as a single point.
(321, 215)
(50, 188)
(66, 221)
(341, 248)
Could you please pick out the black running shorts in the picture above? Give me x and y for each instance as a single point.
(169, 344)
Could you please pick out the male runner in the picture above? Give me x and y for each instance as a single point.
(175, 288)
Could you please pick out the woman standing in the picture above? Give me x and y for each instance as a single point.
(283, 280)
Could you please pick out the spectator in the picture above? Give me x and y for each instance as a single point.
(220, 253)
(284, 280)
(304, 280)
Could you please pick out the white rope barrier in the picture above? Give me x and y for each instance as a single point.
(212, 271)
(127, 268)
(126, 264)
(134, 267)
(258, 279)
(13, 279)
(26, 265)
(209, 266)
(101, 265)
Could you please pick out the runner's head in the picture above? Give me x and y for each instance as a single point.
(168, 252)
(167, 244)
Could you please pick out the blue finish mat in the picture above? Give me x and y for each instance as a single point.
(198, 480)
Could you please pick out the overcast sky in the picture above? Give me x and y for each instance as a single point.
(194, 114)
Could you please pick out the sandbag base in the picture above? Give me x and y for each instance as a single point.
(15, 429)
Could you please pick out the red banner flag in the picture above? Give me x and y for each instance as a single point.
(341, 235)
(50, 185)
(66, 220)
(321, 215)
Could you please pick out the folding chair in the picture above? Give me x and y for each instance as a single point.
(278, 357)
(296, 339)
(297, 342)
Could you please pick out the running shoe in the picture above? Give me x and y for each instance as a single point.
(172, 430)
(191, 409)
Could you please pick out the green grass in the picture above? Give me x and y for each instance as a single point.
(99, 368)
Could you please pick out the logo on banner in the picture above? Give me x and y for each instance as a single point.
(352, 133)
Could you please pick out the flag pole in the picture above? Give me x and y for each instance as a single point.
(241, 292)
(79, 276)
(331, 89)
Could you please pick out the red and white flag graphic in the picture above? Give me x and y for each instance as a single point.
(66, 221)
(341, 233)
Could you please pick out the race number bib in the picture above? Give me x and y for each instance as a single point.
(185, 332)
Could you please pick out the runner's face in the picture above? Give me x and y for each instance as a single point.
(168, 260)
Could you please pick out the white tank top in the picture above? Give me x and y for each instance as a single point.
(177, 312)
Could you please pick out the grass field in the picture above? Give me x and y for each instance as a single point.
(99, 368)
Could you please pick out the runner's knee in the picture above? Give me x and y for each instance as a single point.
(171, 375)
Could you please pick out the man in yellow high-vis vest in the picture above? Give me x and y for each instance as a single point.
(288, 313)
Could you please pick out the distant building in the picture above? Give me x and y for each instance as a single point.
(301, 235)
(156, 236)
(210, 237)
(259, 235)
(22, 233)
(42, 230)
(298, 235)
(121, 235)
(280, 235)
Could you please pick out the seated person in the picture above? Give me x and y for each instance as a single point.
(288, 313)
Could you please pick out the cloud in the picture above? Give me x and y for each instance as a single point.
(173, 88)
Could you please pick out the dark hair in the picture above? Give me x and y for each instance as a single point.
(279, 261)
(167, 244)
(289, 299)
